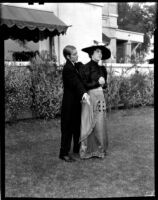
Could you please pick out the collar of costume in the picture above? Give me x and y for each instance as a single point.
(94, 63)
(71, 62)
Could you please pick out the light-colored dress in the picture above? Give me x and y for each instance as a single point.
(94, 136)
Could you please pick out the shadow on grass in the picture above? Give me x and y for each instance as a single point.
(34, 170)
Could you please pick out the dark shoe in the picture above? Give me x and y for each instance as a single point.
(76, 156)
(72, 158)
(67, 158)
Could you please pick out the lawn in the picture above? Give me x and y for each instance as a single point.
(34, 170)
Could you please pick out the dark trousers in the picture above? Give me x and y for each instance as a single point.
(70, 129)
(66, 139)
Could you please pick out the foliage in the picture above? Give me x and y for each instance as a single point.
(40, 88)
(136, 89)
(46, 88)
(17, 91)
(23, 56)
(111, 94)
(138, 17)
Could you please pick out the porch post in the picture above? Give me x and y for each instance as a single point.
(113, 50)
(127, 51)
(50, 46)
(59, 50)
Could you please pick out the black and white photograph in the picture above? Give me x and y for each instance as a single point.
(79, 99)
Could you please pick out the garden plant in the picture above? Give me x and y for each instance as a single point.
(39, 87)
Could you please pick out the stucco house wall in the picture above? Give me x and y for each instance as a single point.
(86, 25)
(87, 21)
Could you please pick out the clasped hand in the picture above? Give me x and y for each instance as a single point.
(101, 80)
(86, 97)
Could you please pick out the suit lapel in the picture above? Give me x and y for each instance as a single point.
(74, 67)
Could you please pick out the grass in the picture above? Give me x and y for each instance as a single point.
(34, 170)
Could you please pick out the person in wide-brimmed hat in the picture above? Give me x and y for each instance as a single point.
(93, 137)
(106, 53)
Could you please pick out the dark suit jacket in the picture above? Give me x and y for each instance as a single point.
(72, 93)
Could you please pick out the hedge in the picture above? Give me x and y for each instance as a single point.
(39, 88)
(17, 92)
(130, 91)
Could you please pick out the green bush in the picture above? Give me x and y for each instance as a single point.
(148, 92)
(124, 91)
(46, 89)
(17, 91)
(37, 87)
(40, 89)
(112, 93)
(136, 89)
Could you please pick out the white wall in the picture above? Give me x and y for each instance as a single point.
(86, 21)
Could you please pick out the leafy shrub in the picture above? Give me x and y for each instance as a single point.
(17, 91)
(124, 91)
(37, 87)
(148, 92)
(133, 90)
(40, 88)
(112, 93)
(46, 89)
(24, 55)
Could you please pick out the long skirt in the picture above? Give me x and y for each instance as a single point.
(94, 136)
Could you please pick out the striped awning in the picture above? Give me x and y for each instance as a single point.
(18, 20)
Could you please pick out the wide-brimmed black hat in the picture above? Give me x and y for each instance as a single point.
(106, 53)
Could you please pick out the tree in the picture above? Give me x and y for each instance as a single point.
(138, 17)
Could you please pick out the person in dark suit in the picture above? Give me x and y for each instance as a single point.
(73, 92)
